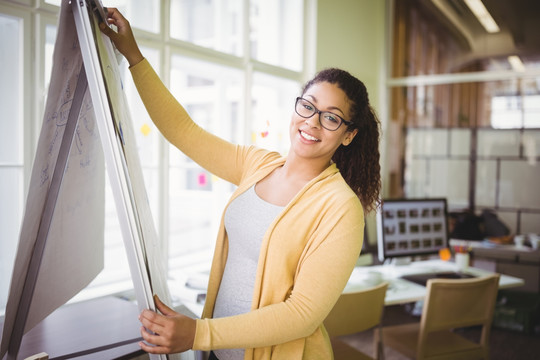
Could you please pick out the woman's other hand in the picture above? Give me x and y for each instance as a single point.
(123, 39)
(166, 333)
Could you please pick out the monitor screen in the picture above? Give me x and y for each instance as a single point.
(411, 227)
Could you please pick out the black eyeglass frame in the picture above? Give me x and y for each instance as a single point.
(319, 112)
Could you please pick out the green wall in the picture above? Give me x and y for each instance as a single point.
(351, 35)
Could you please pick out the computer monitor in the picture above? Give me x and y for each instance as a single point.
(411, 227)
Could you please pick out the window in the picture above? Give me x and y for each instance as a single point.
(276, 35)
(235, 65)
(272, 108)
(213, 96)
(214, 24)
(12, 32)
(50, 38)
(142, 14)
(54, 2)
(506, 112)
(517, 107)
(531, 111)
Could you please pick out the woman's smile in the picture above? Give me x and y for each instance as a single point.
(304, 135)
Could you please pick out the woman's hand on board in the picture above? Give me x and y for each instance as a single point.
(166, 333)
(123, 38)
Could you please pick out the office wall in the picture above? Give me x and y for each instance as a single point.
(351, 35)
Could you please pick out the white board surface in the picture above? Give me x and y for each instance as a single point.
(145, 257)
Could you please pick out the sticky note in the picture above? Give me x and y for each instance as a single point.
(145, 129)
(202, 180)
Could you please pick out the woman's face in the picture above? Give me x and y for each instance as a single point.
(308, 138)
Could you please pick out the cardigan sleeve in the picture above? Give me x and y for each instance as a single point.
(216, 155)
(322, 273)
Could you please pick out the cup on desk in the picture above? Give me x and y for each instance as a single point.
(373, 278)
(534, 239)
(462, 260)
(519, 240)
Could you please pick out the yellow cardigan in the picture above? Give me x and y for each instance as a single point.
(307, 254)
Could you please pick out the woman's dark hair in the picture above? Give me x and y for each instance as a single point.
(359, 161)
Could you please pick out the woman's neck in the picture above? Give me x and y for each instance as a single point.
(303, 170)
(282, 184)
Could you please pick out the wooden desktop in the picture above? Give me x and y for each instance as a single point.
(103, 328)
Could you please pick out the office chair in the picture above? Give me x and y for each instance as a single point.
(449, 305)
(355, 312)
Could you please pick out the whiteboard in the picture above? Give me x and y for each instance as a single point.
(60, 248)
(86, 125)
(145, 257)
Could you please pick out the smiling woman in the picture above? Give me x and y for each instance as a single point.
(310, 215)
(246, 89)
(322, 128)
(358, 159)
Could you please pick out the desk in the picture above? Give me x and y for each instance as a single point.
(401, 291)
(104, 328)
(519, 261)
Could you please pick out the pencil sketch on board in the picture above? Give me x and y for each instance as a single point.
(69, 193)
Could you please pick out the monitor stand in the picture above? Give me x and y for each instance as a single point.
(398, 261)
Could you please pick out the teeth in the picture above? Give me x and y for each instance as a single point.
(308, 137)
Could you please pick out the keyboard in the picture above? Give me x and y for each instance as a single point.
(422, 279)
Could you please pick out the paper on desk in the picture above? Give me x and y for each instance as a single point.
(73, 254)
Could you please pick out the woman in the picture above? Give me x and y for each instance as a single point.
(291, 232)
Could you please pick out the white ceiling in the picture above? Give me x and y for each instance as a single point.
(519, 21)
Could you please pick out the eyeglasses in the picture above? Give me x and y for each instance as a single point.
(328, 120)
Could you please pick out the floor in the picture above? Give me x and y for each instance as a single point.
(504, 344)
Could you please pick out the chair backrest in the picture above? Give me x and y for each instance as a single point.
(451, 304)
(356, 311)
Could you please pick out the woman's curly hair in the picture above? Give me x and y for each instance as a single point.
(359, 161)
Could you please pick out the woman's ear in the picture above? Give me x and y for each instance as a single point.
(349, 136)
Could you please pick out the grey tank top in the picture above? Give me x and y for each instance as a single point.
(246, 220)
